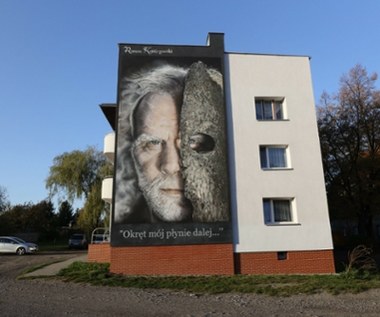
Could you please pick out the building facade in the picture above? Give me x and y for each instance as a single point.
(264, 209)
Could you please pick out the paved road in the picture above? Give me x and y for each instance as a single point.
(51, 297)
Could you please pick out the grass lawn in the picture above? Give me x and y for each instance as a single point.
(276, 285)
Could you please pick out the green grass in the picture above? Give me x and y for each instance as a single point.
(275, 285)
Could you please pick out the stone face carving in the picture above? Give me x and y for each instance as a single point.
(203, 144)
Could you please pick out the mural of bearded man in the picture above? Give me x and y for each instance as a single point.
(171, 163)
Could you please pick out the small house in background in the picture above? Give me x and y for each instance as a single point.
(254, 204)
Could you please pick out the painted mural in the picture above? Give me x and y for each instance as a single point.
(171, 182)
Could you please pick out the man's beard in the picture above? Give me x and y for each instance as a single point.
(165, 207)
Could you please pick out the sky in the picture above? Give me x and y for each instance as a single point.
(58, 62)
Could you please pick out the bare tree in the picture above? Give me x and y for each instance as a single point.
(349, 128)
(4, 203)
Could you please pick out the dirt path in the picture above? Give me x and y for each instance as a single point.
(49, 297)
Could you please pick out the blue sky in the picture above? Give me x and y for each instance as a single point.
(58, 61)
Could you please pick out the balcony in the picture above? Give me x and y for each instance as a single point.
(107, 186)
(109, 146)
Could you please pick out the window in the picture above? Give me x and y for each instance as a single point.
(269, 109)
(278, 210)
(274, 156)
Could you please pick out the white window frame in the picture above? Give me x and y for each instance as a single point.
(267, 147)
(269, 218)
(273, 101)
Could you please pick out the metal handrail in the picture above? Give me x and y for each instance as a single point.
(102, 237)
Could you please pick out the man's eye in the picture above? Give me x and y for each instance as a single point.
(201, 143)
(154, 142)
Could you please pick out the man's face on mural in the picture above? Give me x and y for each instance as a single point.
(156, 155)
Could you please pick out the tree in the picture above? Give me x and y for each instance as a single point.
(4, 203)
(78, 174)
(65, 214)
(29, 217)
(74, 173)
(90, 217)
(4, 213)
(349, 128)
(41, 218)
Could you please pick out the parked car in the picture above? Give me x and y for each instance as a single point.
(78, 241)
(16, 245)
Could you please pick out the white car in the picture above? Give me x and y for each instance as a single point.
(16, 245)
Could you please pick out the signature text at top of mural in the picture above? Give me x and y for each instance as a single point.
(147, 50)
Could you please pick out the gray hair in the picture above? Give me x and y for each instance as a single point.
(161, 78)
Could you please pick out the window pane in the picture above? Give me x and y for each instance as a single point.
(281, 209)
(259, 110)
(278, 110)
(277, 157)
(267, 109)
(267, 211)
(263, 157)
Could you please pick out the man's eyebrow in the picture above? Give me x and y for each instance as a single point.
(145, 137)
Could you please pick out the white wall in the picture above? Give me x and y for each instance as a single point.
(250, 76)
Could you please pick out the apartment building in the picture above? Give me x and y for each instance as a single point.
(250, 196)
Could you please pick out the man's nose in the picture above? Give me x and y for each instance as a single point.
(170, 159)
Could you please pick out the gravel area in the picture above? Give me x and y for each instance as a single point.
(50, 297)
